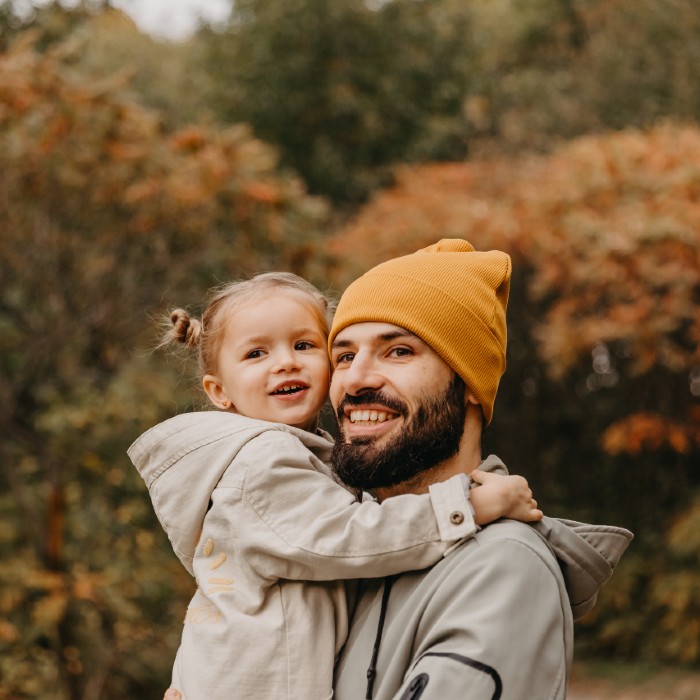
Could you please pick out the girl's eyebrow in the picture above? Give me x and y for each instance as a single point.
(254, 340)
(246, 340)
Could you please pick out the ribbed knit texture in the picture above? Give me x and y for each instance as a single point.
(452, 297)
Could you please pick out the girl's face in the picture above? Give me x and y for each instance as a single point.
(273, 363)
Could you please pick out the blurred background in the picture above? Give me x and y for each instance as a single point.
(147, 154)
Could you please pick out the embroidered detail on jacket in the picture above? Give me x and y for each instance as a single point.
(218, 561)
(205, 614)
(221, 584)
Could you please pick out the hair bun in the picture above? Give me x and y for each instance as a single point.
(186, 329)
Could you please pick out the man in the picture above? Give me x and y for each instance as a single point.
(418, 348)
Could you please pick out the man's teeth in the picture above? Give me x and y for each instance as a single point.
(374, 416)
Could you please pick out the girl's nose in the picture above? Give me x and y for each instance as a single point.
(285, 360)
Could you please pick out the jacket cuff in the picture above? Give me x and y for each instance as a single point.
(452, 509)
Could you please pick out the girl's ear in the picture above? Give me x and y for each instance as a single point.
(216, 392)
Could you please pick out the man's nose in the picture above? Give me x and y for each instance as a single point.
(361, 376)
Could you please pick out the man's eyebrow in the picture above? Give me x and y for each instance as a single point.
(383, 337)
(394, 335)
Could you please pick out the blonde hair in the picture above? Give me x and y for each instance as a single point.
(206, 335)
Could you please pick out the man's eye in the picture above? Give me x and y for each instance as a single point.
(344, 358)
(254, 354)
(401, 352)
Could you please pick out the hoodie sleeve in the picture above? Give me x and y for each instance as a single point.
(299, 524)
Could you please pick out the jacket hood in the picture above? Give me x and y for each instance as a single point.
(182, 460)
(587, 554)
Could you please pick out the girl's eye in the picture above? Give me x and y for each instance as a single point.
(254, 354)
(304, 345)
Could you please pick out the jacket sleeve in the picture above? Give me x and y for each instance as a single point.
(501, 630)
(300, 524)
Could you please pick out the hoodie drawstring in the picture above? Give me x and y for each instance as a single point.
(372, 670)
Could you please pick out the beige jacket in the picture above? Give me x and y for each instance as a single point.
(253, 513)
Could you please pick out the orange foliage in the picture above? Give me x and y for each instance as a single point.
(262, 192)
(96, 147)
(647, 432)
(428, 202)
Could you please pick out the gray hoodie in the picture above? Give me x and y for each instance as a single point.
(493, 620)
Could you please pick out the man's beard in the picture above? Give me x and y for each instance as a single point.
(432, 436)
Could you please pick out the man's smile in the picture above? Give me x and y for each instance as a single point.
(364, 416)
(370, 419)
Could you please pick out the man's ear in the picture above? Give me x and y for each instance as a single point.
(216, 392)
(470, 398)
(473, 402)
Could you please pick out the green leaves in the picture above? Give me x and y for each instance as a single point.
(345, 89)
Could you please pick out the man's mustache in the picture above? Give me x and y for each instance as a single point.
(374, 397)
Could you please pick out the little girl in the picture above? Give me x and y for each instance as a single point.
(254, 514)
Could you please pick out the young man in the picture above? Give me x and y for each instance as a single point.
(418, 348)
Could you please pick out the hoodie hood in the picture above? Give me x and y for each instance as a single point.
(587, 556)
(183, 459)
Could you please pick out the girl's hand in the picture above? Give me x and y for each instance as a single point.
(502, 497)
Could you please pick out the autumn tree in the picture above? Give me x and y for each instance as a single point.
(164, 75)
(107, 219)
(345, 87)
(599, 404)
(553, 69)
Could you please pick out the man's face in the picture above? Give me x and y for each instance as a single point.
(400, 407)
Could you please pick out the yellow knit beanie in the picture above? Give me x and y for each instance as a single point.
(449, 295)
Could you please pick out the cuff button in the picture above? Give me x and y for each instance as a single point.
(456, 518)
